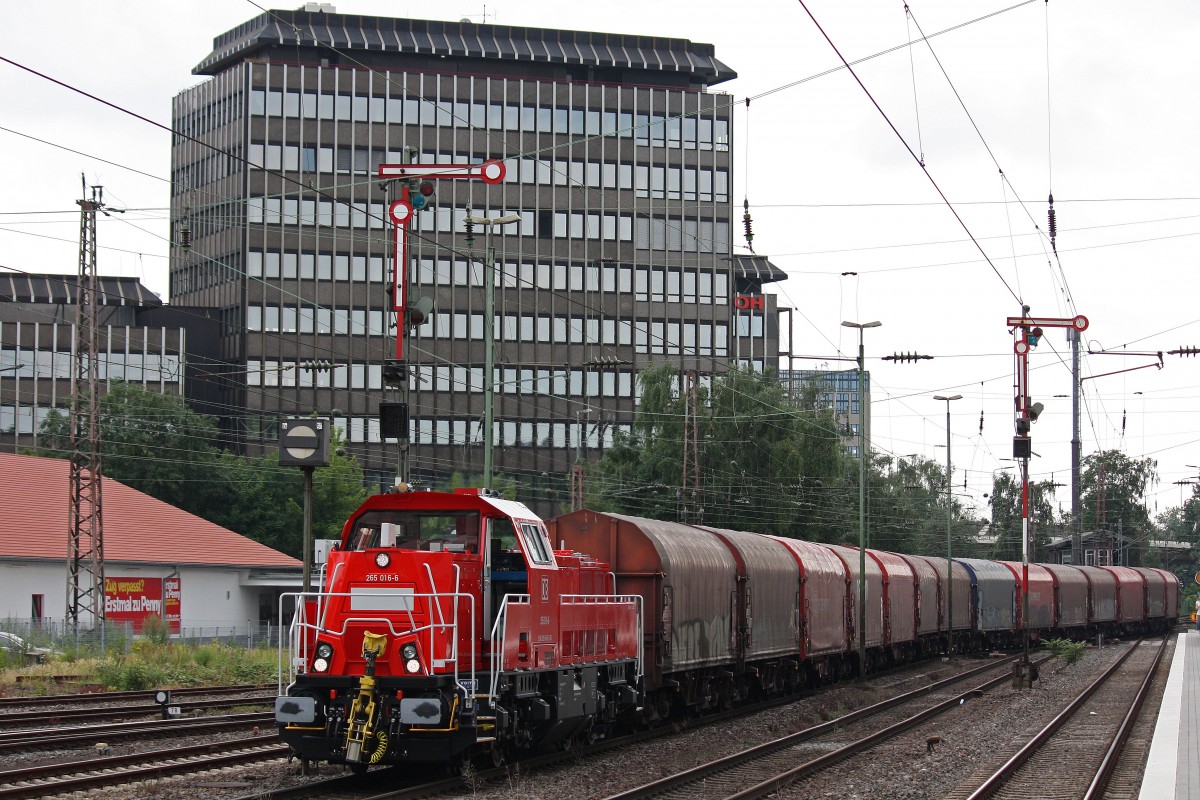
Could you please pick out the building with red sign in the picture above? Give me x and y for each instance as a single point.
(200, 578)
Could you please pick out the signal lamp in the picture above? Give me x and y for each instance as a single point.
(382, 560)
(320, 665)
(409, 651)
(324, 650)
(413, 666)
(420, 194)
(1035, 411)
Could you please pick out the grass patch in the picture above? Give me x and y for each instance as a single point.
(150, 665)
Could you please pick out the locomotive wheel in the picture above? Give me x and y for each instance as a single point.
(497, 754)
(457, 764)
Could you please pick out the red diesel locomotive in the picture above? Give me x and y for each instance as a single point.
(447, 627)
(457, 625)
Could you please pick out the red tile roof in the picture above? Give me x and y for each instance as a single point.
(34, 500)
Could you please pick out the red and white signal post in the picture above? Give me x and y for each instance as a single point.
(1029, 330)
(416, 187)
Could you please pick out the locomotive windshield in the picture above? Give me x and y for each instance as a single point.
(448, 531)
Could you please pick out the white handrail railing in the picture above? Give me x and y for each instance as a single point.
(301, 631)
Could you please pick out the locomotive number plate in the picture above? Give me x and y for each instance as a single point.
(382, 577)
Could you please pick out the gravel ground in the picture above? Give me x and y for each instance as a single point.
(971, 739)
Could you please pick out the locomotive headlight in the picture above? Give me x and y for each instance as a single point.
(324, 650)
(413, 666)
(382, 560)
(409, 652)
(320, 664)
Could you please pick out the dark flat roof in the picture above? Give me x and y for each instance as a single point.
(51, 288)
(300, 28)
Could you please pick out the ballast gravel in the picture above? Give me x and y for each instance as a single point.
(904, 769)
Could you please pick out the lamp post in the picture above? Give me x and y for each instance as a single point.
(949, 522)
(489, 322)
(862, 499)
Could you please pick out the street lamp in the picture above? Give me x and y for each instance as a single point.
(489, 314)
(949, 521)
(862, 499)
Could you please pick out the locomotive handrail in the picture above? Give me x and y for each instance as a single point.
(297, 644)
(499, 628)
(441, 618)
(604, 599)
(322, 612)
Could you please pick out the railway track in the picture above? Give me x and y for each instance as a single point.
(763, 770)
(99, 698)
(90, 735)
(72, 714)
(108, 771)
(1074, 755)
(402, 784)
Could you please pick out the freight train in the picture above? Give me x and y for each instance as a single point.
(457, 626)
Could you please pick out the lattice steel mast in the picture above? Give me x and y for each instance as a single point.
(85, 557)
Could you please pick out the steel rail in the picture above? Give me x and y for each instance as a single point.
(703, 770)
(1112, 755)
(1002, 775)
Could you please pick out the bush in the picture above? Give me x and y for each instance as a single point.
(155, 629)
(1065, 650)
(128, 674)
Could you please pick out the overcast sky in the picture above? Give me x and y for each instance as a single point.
(1093, 100)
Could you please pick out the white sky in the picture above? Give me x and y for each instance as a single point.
(1092, 99)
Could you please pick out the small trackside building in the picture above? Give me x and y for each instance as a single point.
(202, 579)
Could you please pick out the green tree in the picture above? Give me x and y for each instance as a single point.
(642, 472)
(767, 462)
(1006, 523)
(1113, 491)
(908, 506)
(1178, 524)
(266, 500)
(152, 442)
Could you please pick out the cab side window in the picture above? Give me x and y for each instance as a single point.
(535, 543)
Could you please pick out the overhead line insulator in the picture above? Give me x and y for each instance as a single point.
(900, 357)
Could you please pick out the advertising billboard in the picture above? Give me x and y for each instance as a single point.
(133, 600)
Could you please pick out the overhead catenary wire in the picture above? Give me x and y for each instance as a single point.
(912, 68)
(915, 158)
